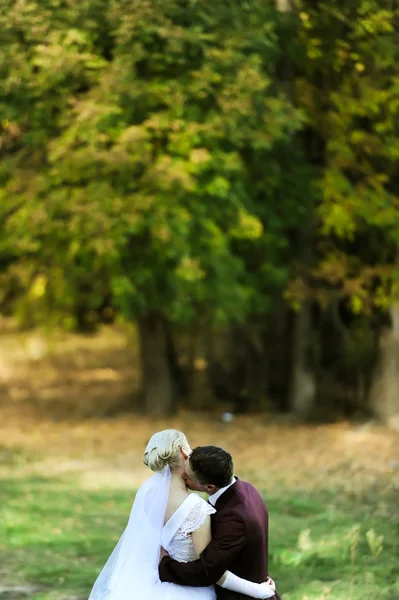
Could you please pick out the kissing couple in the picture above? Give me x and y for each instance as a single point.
(176, 545)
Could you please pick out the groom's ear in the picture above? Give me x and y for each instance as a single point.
(210, 488)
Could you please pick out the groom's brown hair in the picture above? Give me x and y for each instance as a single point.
(212, 465)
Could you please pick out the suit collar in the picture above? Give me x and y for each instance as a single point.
(215, 497)
(228, 494)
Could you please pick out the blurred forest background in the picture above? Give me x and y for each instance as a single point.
(199, 216)
(223, 175)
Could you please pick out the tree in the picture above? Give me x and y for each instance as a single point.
(130, 168)
(348, 84)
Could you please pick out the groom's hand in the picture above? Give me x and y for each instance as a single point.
(162, 554)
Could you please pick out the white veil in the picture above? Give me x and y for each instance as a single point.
(132, 569)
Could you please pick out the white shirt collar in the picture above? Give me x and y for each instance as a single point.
(214, 498)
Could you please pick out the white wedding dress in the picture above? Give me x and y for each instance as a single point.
(177, 540)
(131, 572)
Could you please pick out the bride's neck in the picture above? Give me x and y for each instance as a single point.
(177, 479)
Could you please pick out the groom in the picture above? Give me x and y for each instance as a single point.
(239, 527)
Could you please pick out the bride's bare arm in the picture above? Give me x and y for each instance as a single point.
(201, 538)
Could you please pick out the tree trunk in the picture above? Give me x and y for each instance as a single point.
(249, 376)
(220, 362)
(158, 384)
(179, 376)
(202, 396)
(279, 334)
(303, 385)
(384, 394)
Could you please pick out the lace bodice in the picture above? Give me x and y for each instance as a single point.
(189, 517)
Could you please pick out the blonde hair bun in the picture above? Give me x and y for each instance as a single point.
(164, 449)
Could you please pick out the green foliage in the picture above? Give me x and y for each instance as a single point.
(179, 160)
(132, 166)
(349, 84)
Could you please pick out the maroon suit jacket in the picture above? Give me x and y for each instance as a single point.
(239, 544)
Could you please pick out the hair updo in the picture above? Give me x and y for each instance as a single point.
(164, 449)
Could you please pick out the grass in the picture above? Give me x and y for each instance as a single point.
(57, 536)
(70, 462)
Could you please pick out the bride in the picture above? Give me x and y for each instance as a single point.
(164, 514)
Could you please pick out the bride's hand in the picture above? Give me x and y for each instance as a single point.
(270, 581)
(267, 589)
(162, 554)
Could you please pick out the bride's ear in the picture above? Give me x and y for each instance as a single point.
(185, 453)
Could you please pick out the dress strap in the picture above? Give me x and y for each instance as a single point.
(174, 523)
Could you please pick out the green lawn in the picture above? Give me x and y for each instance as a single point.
(56, 536)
